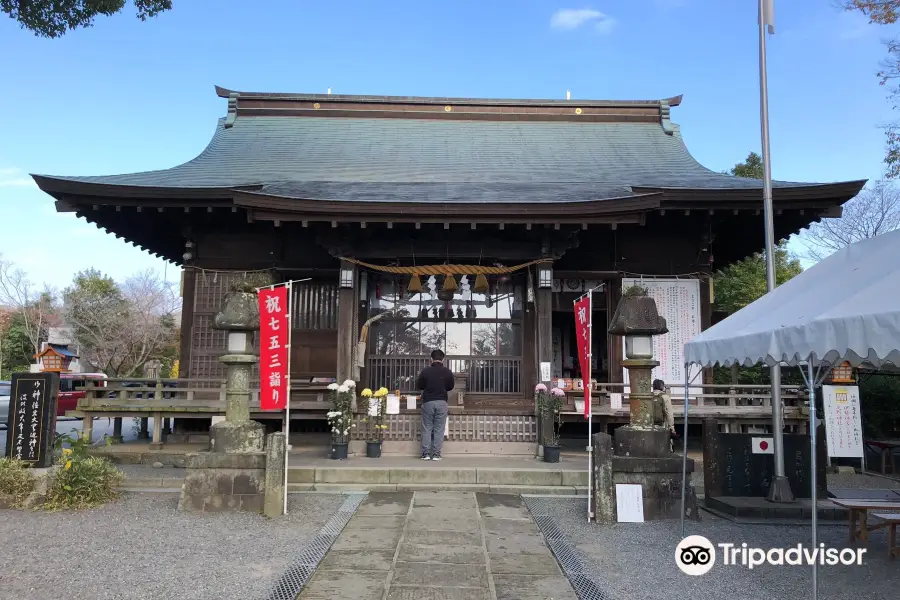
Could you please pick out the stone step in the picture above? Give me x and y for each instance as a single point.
(431, 475)
(537, 490)
(133, 483)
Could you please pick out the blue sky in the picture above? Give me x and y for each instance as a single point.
(129, 96)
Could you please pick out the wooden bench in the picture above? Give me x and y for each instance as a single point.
(885, 448)
(891, 519)
(859, 523)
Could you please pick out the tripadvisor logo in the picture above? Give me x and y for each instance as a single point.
(696, 555)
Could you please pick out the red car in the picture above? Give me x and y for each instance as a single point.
(69, 395)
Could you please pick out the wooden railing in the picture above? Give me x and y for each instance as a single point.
(486, 374)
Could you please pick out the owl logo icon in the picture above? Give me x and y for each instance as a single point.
(695, 555)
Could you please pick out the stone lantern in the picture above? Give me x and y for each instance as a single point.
(637, 320)
(639, 453)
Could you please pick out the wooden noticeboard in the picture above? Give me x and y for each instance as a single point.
(31, 428)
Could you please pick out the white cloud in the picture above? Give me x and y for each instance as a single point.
(573, 18)
(13, 177)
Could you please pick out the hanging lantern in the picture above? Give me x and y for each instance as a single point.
(481, 284)
(415, 285)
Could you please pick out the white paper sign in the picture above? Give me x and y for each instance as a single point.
(629, 503)
(678, 301)
(373, 407)
(615, 401)
(393, 404)
(410, 403)
(843, 421)
(545, 371)
(447, 427)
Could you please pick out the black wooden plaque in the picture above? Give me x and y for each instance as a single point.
(31, 428)
(743, 473)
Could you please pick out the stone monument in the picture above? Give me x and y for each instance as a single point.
(640, 452)
(232, 475)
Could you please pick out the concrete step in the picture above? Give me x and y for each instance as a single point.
(134, 483)
(537, 490)
(437, 475)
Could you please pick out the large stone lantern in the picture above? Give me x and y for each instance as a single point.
(639, 453)
(637, 320)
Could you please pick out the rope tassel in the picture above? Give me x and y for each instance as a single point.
(449, 284)
(481, 284)
(415, 285)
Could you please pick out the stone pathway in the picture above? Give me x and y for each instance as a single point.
(439, 546)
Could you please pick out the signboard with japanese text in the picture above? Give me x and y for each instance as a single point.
(583, 337)
(274, 329)
(31, 428)
(678, 302)
(843, 421)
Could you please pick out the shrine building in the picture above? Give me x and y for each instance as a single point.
(398, 206)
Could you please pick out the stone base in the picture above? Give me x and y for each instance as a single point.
(243, 437)
(647, 443)
(659, 477)
(218, 481)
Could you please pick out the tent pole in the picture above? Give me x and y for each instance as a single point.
(687, 371)
(812, 451)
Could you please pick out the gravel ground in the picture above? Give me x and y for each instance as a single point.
(141, 548)
(636, 561)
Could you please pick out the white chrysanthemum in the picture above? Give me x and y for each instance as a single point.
(346, 431)
(343, 389)
(332, 386)
(350, 383)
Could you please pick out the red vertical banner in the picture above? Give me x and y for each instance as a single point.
(273, 348)
(583, 335)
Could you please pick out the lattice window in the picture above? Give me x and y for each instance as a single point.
(315, 305)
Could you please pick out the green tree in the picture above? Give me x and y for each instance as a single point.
(740, 283)
(53, 18)
(752, 167)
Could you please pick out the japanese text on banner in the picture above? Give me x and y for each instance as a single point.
(274, 327)
(583, 335)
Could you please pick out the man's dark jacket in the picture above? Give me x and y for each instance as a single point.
(435, 381)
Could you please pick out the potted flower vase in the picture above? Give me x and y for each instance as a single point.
(373, 449)
(339, 451)
(551, 454)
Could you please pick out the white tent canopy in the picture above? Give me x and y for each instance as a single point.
(846, 307)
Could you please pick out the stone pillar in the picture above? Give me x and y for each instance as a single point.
(644, 435)
(275, 465)
(604, 492)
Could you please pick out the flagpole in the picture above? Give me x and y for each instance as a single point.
(287, 404)
(780, 488)
(590, 412)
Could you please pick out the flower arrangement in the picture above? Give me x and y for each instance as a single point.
(377, 403)
(549, 404)
(340, 418)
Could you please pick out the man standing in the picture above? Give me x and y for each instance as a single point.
(434, 381)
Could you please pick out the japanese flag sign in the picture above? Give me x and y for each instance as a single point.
(274, 385)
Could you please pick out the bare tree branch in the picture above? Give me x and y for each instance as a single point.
(874, 211)
(38, 309)
(120, 329)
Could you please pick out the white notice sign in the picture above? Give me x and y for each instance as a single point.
(615, 401)
(545, 371)
(678, 302)
(393, 405)
(629, 503)
(373, 407)
(410, 404)
(447, 427)
(843, 421)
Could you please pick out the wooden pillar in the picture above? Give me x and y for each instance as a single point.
(544, 300)
(529, 353)
(189, 278)
(614, 342)
(346, 324)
